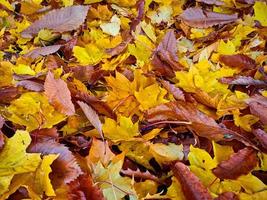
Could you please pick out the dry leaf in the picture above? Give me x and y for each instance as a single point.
(240, 163)
(42, 51)
(196, 17)
(58, 94)
(60, 20)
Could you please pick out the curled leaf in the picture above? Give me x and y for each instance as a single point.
(192, 188)
(261, 135)
(196, 17)
(60, 20)
(238, 164)
(58, 94)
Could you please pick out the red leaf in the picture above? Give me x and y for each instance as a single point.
(239, 61)
(202, 124)
(59, 20)
(58, 94)
(65, 168)
(67, 48)
(83, 188)
(196, 17)
(42, 51)
(86, 73)
(258, 107)
(192, 188)
(8, 94)
(261, 135)
(240, 163)
(246, 1)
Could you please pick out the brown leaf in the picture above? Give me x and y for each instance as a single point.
(31, 85)
(2, 122)
(83, 188)
(175, 91)
(192, 188)
(202, 124)
(58, 94)
(140, 175)
(2, 140)
(243, 80)
(261, 135)
(240, 61)
(92, 116)
(8, 94)
(65, 168)
(246, 1)
(59, 20)
(68, 46)
(196, 17)
(165, 60)
(258, 107)
(86, 73)
(240, 163)
(212, 2)
(42, 51)
(227, 196)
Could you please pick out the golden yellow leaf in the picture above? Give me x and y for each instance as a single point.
(260, 12)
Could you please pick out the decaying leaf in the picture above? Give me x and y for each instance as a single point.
(239, 61)
(61, 20)
(238, 164)
(196, 17)
(58, 94)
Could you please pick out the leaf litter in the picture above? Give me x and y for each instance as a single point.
(146, 99)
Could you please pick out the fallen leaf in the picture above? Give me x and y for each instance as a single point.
(43, 51)
(92, 116)
(261, 136)
(60, 20)
(238, 164)
(58, 94)
(239, 61)
(196, 17)
(31, 85)
(258, 107)
(191, 185)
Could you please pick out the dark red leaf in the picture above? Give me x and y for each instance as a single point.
(261, 135)
(240, 61)
(67, 48)
(258, 107)
(196, 17)
(246, 1)
(83, 188)
(240, 163)
(192, 188)
(86, 73)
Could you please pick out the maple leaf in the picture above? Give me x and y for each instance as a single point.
(58, 94)
(15, 160)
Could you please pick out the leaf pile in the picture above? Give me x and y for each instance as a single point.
(140, 99)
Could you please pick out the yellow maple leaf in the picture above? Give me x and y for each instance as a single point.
(15, 160)
(260, 12)
(5, 73)
(226, 48)
(32, 110)
(124, 129)
(246, 121)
